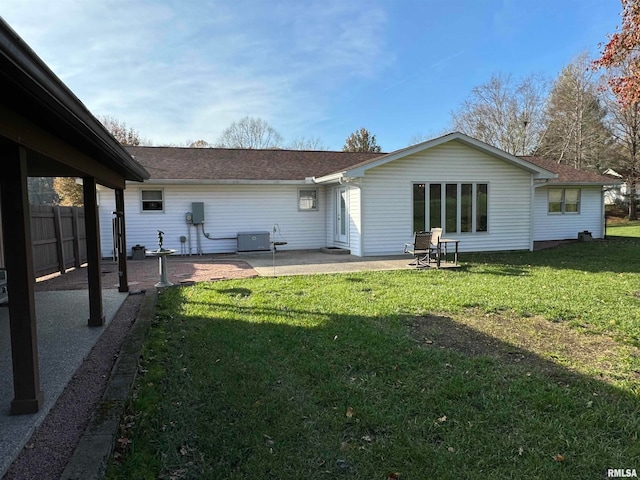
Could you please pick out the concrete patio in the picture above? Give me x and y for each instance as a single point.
(64, 340)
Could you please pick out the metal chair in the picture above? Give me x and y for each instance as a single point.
(420, 248)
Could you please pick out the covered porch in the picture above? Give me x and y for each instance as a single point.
(45, 131)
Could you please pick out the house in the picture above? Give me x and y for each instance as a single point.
(617, 194)
(367, 203)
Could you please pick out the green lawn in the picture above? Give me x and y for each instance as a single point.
(519, 365)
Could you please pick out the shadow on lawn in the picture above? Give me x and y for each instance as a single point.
(617, 255)
(435, 397)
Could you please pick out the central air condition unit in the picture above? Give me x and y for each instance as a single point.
(254, 241)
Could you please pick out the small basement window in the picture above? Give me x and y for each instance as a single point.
(152, 200)
(308, 199)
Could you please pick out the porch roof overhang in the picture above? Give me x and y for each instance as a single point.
(40, 113)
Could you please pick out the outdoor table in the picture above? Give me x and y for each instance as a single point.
(442, 250)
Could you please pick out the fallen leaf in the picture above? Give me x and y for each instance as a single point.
(590, 404)
(350, 413)
(184, 451)
(450, 449)
(558, 458)
(520, 451)
(393, 476)
(442, 419)
(345, 446)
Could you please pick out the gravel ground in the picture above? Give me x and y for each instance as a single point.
(51, 446)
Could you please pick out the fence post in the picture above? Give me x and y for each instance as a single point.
(76, 237)
(57, 225)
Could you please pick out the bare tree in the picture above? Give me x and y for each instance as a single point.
(624, 122)
(575, 132)
(198, 144)
(505, 113)
(304, 143)
(361, 141)
(250, 132)
(124, 134)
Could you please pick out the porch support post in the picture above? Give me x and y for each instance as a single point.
(121, 242)
(96, 313)
(16, 224)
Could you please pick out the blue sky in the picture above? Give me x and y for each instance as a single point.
(178, 70)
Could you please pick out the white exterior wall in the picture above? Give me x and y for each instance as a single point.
(387, 193)
(558, 226)
(228, 209)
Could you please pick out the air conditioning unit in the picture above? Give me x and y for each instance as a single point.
(254, 241)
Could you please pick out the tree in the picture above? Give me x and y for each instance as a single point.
(623, 50)
(250, 132)
(127, 136)
(303, 143)
(361, 141)
(504, 113)
(198, 144)
(41, 191)
(575, 132)
(624, 122)
(69, 191)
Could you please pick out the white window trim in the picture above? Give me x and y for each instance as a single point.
(142, 210)
(443, 202)
(314, 209)
(563, 203)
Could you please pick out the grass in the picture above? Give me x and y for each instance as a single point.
(521, 365)
(624, 229)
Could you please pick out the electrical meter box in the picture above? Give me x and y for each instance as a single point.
(197, 213)
(254, 241)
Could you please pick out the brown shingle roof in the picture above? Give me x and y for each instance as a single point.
(172, 163)
(568, 174)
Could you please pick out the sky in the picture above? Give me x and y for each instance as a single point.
(184, 70)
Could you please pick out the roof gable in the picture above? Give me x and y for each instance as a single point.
(360, 169)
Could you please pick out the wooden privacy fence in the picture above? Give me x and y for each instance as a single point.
(59, 240)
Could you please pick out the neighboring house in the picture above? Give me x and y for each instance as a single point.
(368, 203)
(618, 193)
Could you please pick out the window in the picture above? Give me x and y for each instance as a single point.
(455, 207)
(419, 208)
(152, 200)
(308, 199)
(564, 200)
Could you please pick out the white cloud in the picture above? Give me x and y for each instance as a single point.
(178, 70)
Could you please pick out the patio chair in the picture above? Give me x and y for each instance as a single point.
(435, 250)
(420, 248)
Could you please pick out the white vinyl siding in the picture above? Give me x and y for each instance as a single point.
(554, 226)
(228, 209)
(387, 196)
